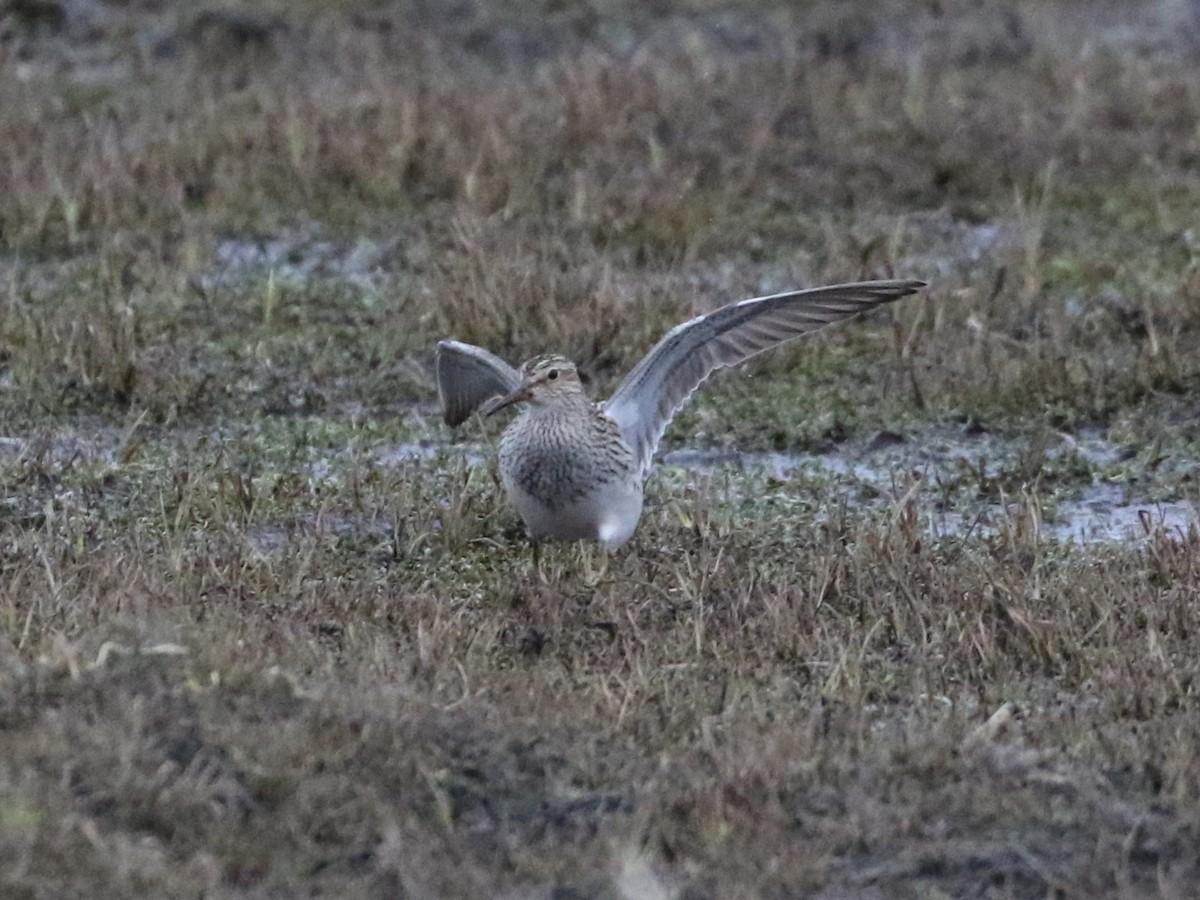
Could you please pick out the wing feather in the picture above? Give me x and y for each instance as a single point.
(658, 386)
(468, 376)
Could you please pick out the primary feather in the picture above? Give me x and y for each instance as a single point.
(658, 386)
(469, 376)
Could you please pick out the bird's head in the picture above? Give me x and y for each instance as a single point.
(545, 380)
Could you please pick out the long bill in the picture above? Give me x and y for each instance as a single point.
(520, 395)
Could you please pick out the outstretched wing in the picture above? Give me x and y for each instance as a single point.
(468, 376)
(661, 383)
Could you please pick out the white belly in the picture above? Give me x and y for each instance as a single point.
(570, 474)
(609, 514)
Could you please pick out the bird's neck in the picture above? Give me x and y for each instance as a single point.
(566, 406)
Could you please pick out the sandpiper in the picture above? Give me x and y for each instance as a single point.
(573, 468)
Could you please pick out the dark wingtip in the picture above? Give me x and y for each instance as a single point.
(452, 417)
(898, 289)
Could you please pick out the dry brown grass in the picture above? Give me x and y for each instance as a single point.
(365, 689)
(247, 651)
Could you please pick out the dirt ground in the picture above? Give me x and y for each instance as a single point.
(914, 608)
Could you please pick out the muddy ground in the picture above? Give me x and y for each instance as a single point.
(912, 611)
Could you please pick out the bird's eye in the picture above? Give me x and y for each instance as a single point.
(552, 374)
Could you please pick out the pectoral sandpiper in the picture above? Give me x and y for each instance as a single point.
(574, 469)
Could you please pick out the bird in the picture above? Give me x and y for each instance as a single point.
(575, 469)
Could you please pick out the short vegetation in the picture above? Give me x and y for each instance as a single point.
(913, 608)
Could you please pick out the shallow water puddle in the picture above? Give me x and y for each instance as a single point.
(1104, 516)
(295, 259)
(1094, 513)
(963, 484)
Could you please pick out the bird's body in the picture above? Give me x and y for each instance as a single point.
(569, 472)
(574, 469)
